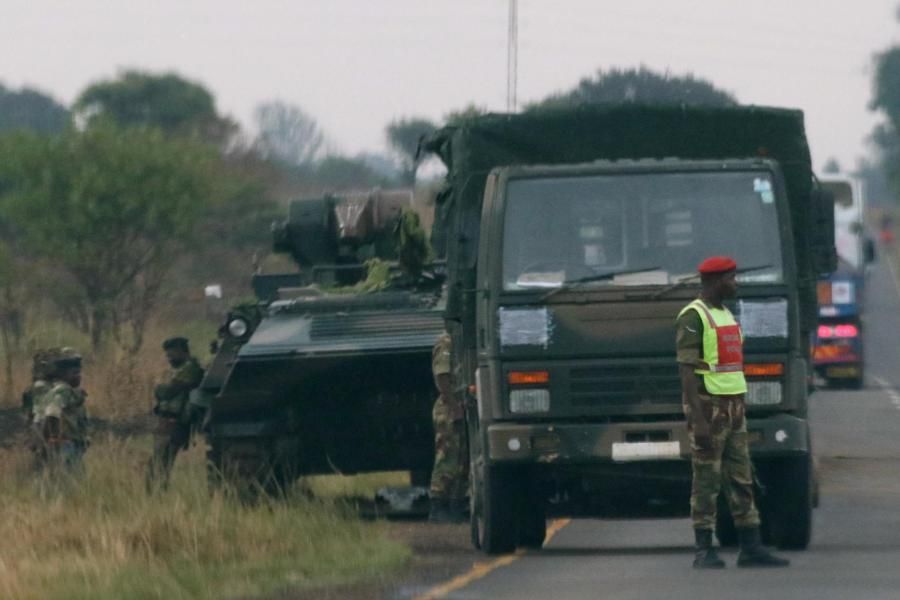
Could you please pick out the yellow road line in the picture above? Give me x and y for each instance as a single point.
(482, 569)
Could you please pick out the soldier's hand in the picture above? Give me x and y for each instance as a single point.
(702, 436)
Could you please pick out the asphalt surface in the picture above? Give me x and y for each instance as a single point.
(855, 552)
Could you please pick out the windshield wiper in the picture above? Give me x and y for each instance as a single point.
(567, 285)
(685, 280)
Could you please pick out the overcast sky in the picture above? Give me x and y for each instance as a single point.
(355, 64)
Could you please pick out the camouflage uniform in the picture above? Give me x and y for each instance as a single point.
(450, 475)
(67, 404)
(727, 461)
(173, 427)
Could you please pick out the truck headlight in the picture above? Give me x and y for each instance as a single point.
(763, 393)
(238, 327)
(532, 400)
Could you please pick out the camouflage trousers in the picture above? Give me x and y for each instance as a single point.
(724, 466)
(450, 475)
(169, 437)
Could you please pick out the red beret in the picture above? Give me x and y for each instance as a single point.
(717, 264)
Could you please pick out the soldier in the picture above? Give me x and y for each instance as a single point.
(173, 409)
(710, 359)
(41, 373)
(59, 414)
(450, 476)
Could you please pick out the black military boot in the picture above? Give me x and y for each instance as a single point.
(459, 510)
(706, 557)
(753, 553)
(439, 512)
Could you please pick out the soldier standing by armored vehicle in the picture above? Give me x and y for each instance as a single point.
(173, 409)
(60, 416)
(711, 366)
(450, 475)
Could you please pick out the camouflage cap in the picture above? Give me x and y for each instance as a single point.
(42, 365)
(178, 342)
(67, 357)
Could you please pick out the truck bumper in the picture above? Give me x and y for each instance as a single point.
(568, 444)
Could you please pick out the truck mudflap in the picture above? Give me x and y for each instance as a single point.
(570, 443)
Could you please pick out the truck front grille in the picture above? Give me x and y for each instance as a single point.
(625, 385)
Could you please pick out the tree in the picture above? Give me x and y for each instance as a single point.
(32, 110)
(641, 86)
(167, 101)
(403, 137)
(832, 166)
(111, 208)
(288, 134)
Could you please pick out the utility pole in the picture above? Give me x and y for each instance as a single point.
(512, 56)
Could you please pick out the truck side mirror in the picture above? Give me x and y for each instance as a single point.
(868, 250)
(824, 255)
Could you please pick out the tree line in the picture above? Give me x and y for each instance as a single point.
(142, 189)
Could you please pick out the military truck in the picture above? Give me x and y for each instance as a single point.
(572, 239)
(328, 370)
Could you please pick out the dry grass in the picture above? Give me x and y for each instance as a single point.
(102, 536)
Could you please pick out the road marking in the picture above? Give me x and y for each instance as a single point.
(888, 389)
(893, 268)
(482, 569)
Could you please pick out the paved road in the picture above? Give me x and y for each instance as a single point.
(856, 543)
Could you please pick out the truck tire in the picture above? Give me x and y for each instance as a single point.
(532, 522)
(493, 520)
(790, 510)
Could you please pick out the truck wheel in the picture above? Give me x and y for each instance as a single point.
(726, 532)
(420, 477)
(790, 511)
(532, 522)
(493, 520)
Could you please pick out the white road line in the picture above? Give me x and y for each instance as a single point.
(888, 389)
(887, 254)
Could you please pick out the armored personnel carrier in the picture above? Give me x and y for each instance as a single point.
(329, 369)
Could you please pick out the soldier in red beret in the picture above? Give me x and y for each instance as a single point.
(710, 351)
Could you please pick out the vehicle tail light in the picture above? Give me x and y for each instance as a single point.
(764, 370)
(528, 377)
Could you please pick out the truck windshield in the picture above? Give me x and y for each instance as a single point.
(651, 229)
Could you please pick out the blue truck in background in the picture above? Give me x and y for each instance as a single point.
(838, 348)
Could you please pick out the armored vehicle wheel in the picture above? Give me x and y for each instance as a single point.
(789, 514)
(493, 517)
(245, 467)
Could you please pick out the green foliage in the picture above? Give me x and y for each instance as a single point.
(108, 206)
(403, 137)
(413, 251)
(886, 98)
(457, 117)
(167, 101)
(640, 86)
(31, 110)
(345, 172)
(287, 134)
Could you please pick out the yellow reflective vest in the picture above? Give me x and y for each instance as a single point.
(723, 353)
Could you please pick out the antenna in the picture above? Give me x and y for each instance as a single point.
(512, 59)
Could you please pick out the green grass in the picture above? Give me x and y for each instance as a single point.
(101, 536)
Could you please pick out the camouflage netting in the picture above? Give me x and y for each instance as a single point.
(588, 133)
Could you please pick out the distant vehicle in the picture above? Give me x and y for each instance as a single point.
(838, 350)
(572, 240)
